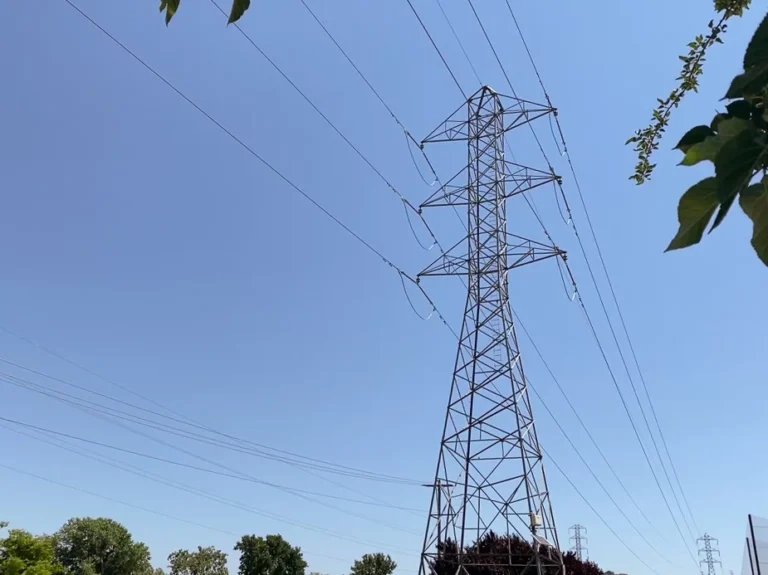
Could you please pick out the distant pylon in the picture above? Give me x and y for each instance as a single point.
(490, 477)
(708, 550)
(579, 540)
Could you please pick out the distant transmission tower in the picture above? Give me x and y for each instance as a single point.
(490, 477)
(708, 550)
(579, 540)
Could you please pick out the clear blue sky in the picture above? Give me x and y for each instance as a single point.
(141, 242)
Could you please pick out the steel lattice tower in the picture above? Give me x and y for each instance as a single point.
(709, 552)
(579, 540)
(490, 476)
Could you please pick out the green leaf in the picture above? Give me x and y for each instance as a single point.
(706, 150)
(694, 212)
(238, 9)
(740, 109)
(754, 202)
(757, 50)
(722, 212)
(735, 163)
(170, 7)
(709, 148)
(717, 119)
(731, 127)
(750, 83)
(694, 136)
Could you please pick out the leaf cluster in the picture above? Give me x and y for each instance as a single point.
(170, 7)
(646, 141)
(736, 143)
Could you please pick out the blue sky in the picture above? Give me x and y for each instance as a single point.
(142, 243)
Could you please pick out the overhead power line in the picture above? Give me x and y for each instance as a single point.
(407, 204)
(605, 268)
(233, 474)
(541, 148)
(434, 45)
(192, 490)
(256, 449)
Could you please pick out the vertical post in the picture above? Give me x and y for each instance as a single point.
(754, 545)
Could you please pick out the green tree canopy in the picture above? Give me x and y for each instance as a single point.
(101, 546)
(270, 555)
(204, 561)
(22, 553)
(374, 564)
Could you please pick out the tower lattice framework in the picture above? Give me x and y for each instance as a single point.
(490, 476)
(709, 550)
(579, 540)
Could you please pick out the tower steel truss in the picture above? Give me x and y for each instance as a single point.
(490, 477)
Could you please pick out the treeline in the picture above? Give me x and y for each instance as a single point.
(101, 546)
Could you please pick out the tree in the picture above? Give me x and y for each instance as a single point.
(646, 141)
(492, 548)
(100, 546)
(375, 564)
(736, 143)
(238, 9)
(272, 555)
(22, 553)
(204, 561)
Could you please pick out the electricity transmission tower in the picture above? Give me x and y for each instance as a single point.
(490, 477)
(708, 551)
(579, 540)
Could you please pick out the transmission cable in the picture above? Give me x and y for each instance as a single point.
(604, 266)
(373, 250)
(234, 474)
(333, 126)
(541, 148)
(309, 461)
(409, 137)
(434, 45)
(183, 487)
(600, 517)
(594, 475)
(582, 423)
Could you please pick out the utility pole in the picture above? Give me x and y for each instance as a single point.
(708, 550)
(490, 454)
(579, 540)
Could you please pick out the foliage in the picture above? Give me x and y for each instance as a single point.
(491, 547)
(204, 561)
(100, 546)
(736, 142)
(270, 555)
(22, 553)
(646, 141)
(374, 564)
(239, 7)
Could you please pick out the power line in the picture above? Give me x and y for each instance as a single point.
(106, 412)
(434, 45)
(605, 268)
(240, 142)
(319, 464)
(583, 424)
(234, 474)
(335, 128)
(409, 137)
(509, 82)
(600, 517)
(194, 491)
(595, 477)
